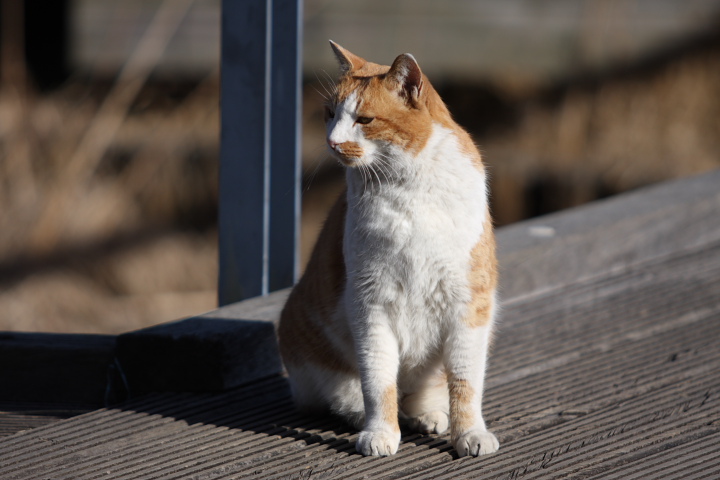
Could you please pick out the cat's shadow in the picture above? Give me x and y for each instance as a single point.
(266, 410)
(341, 437)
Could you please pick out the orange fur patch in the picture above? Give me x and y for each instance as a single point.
(312, 302)
(395, 121)
(349, 150)
(390, 407)
(483, 278)
(462, 417)
(408, 126)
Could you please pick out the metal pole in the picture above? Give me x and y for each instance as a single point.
(260, 154)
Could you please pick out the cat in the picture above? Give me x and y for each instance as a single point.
(392, 317)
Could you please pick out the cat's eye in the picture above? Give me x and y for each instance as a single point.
(329, 113)
(364, 120)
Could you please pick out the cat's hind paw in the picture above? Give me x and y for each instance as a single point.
(378, 443)
(430, 422)
(476, 442)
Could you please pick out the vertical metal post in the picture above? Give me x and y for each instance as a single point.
(260, 147)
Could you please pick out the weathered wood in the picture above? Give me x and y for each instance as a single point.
(59, 368)
(18, 417)
(612, 377)
(201, 354)
(560, 248)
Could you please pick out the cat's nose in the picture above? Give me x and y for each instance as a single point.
(332, 144)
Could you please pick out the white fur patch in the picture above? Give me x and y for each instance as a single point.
(343, 128)
(408, 245)
(340, 128)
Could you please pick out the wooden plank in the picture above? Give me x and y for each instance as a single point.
(201, 354)
(559, 249)
(18, 417)
(69, 368)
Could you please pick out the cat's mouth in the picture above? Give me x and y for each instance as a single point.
(349, 153)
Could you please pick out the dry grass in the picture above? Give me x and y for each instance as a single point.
(128, 240)
(90, 178)
(157, 173)
(161, 280)
(616, 135)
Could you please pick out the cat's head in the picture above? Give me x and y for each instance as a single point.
(376, 112)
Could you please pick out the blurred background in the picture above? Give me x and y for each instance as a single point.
(109, 128)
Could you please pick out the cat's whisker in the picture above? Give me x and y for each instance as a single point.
(369, 179)
(377, 171)
(390, 166)
(332, 88)
(386, 167)
(368, 182)
(321, 94)
(331, 79)
(372, 170)
(361, 171)
(319, 161)
(386, 173)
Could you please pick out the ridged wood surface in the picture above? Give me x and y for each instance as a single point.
(612, 377)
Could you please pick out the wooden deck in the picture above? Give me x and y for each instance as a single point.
(605, 366)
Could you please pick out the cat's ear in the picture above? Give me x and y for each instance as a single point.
(349, 62)
(406, 78)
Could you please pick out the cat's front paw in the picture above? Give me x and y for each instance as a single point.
(476, 442)
(430, 422)
(379, 443)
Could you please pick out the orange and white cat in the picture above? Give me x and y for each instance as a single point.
(392, 317)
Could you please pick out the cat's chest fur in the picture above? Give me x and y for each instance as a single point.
(407, 244)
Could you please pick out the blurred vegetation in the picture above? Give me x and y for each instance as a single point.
(108, 189)
(108, 185)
